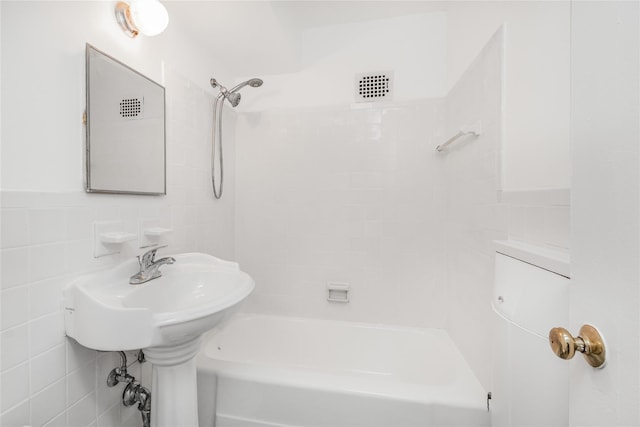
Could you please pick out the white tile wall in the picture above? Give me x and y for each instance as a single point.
(48, 404)
(474, 215)
(14, 387)
(541, 224)
(344, 194)
(46, 378)
(478, 211)
(14, 347)
(81, 382)
(14, 228)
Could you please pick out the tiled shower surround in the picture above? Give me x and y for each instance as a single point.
(357, 194)
(347, 195)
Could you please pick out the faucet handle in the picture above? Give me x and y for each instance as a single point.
(149, 257)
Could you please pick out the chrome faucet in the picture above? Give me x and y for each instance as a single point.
(149, 267)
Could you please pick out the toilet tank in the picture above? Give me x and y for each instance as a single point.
(530, 384)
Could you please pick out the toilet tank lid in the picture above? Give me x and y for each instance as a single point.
(555, 260)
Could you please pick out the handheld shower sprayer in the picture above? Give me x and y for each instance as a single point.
(234, 97)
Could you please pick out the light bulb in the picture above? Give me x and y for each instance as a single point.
(149, 16)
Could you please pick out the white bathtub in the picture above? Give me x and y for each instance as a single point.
(261, 371)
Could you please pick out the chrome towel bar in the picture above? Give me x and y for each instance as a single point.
(475, 130)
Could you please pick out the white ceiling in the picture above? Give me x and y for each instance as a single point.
(310, 14)
(262, 37)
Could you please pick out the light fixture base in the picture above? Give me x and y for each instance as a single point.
(123, 16)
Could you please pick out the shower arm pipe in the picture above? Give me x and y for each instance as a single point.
(475, 130)
(239, 86)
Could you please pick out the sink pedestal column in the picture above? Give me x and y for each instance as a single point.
(174, 396)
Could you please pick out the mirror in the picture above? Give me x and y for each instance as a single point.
(125, 144)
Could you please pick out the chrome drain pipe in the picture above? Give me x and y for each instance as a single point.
(144, 397)
(134, 392)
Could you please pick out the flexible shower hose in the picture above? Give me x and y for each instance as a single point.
(216, 135)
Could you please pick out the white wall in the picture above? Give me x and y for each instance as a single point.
(411, 46)
(46, 154)
(605, 207)
(46, 237)
(536, 97)
(247, 36)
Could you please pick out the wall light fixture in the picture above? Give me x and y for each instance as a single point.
(148, 17)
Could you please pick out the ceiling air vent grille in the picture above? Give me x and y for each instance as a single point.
(372, 87)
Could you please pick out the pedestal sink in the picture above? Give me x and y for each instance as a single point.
(166, 317)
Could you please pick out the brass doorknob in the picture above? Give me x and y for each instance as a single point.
(589, 343)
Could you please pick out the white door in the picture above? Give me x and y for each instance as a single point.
(605, 284)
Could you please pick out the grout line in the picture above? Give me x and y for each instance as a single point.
(22, 402)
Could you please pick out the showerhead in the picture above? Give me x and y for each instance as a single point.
(232, 95)
(233, 98)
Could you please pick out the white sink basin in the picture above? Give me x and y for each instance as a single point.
(104, 312)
